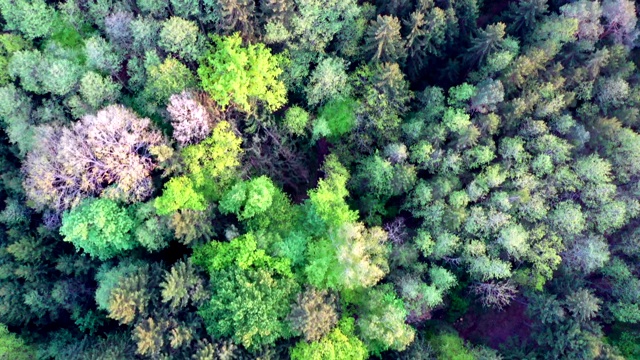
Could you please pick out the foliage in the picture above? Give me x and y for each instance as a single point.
(99, 227)
(190, 120)
(14, 347)
(215, 158)
(339, 344)
(250, 306)
(231, 72)
(338, 174)
(168, 78)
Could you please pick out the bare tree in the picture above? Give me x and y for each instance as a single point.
(495, 295)
(190, 120)
(106, 150)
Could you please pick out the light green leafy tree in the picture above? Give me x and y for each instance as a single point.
(248, 198)
(100, 227)
(179, 194)
(13, 347)
(212, 164)
(340, 344)
(230, 72)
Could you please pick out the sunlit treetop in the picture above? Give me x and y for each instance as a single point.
(231, 72)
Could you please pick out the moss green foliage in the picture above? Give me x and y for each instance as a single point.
(250, 306)
(232, 72)
(448, 345)
(168, 78)
(296, 120)
(241, 252)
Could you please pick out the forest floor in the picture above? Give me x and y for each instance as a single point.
(495, 327)
(491, 10)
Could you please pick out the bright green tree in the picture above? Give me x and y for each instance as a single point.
(100, 227)
(230, 72)
(339, 344)
(212, 164)
(179, 194)
(13, 347)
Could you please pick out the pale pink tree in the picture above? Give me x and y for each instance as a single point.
(108, 150)
(190, 120)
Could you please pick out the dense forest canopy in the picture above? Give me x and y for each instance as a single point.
(319, 179)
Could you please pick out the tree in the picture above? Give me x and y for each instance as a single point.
(568, 218)
(247, 199)
(495, 294)
(129, 299)
(296, 120)
(102, 56)
(185, 8)
(236, 15)
(314, 314)
(588, 14)
(336, 118)
(586, 254)
(328, 199)
(351, 258)
(514, 239)
(190, 120)
(328, 82)
(621, 19)
(212, 164)
(449, 346)
(583, 304)
(14, 347)
(97, 90)
(33, 18)
(99, 227)
(43, 74)
(525, 14)
(109, 148)
(382, 321)
(317, 23)
(182, 286)
(250, 306)
(15, 112)
(156, 8)
(383, 40)
(340, 344)
(231, 72)
(118, 28)
(168, 78)
(181, 37)
(189, 226)
(487, 42)
(179, 194)
(148, 335)
(145, 32)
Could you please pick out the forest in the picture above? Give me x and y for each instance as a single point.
(319, 179)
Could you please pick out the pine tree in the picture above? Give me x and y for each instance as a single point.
(383, 40)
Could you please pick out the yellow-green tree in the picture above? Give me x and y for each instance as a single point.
(230, 72)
